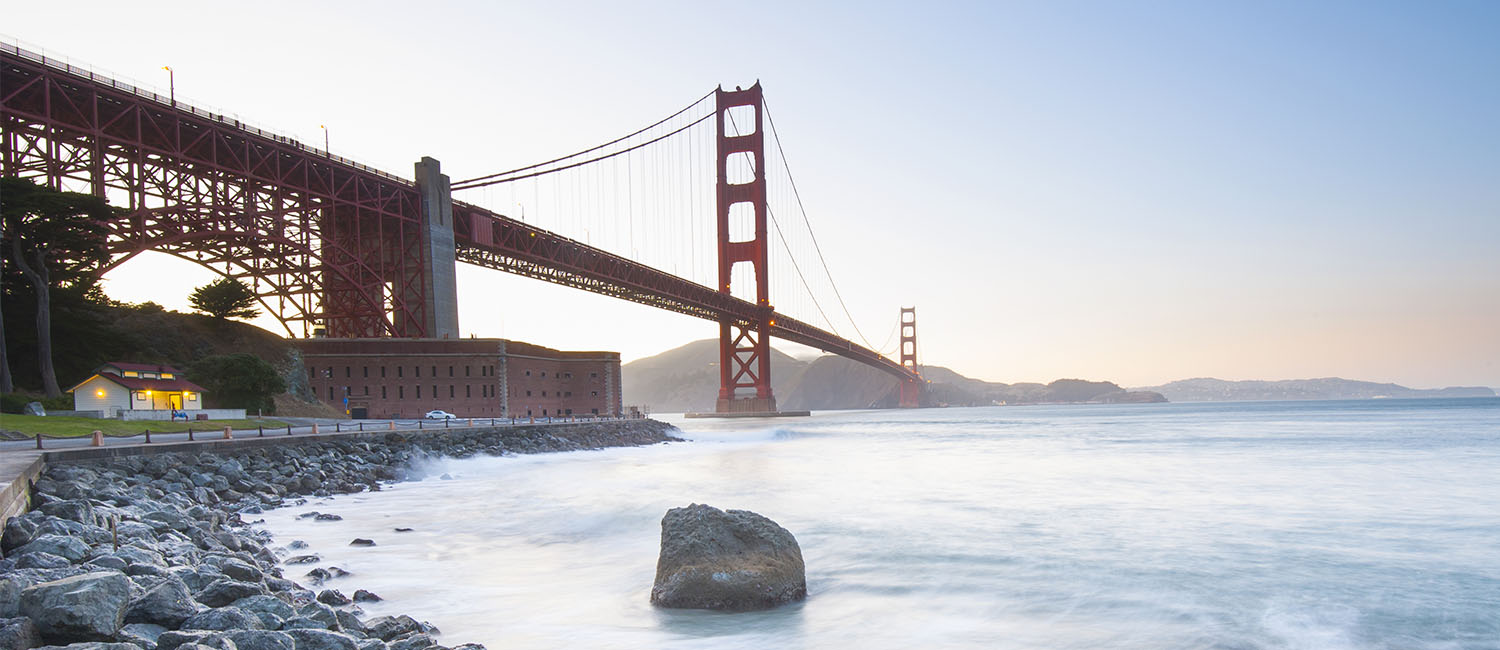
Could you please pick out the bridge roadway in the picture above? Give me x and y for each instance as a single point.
(106, 125)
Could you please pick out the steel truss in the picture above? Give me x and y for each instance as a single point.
(323, 242)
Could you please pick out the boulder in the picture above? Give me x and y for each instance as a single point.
(322, 640)
(93, 645)
(223, 618)
(261, 640)
(223, 591)
(19, 633)
(88, 607)
(34, 408)
(168, 604)
(270, 609)
(141, 634)
(731, 560)
(71, 548)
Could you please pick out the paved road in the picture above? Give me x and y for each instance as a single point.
(298, 427)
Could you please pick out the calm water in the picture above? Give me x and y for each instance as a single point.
(1372, 524)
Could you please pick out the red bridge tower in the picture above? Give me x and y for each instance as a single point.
(911, 389)
(744, 345)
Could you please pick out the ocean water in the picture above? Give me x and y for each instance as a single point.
(1318, 525)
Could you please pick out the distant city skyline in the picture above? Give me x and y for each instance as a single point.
(1136, 193)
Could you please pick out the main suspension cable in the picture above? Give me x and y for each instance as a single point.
(777, 137)
(589, 150)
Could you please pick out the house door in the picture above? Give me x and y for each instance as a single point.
(176, 401)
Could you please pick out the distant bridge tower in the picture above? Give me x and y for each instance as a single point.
(911, 389)
(744, 345)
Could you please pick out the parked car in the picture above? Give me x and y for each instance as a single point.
(439, 414)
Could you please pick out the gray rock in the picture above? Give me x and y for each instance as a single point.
(362, 596)
(188, 639)
(69, 547)
(223, 618)
(261, 640)
(33, 408)
(224, 591)
(321, 613)
(360, 541)
(141, 634)
(168, 603)
(110, 562)
(732, 560)
(20, 530)
(333, 597)
(88, 607)
(79, 510)
(93, 645)
(271, 610)
(419, 641)
(42, 560)
(322, 640)
(242, 571)
(371, 644)
(350, 624)
(388, 628)
(19, 633)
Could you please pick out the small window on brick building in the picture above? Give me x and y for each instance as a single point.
(434, 371)
(367, 389)
(419, 391)
(400, 371)
(450, 371)
(544, 393)
(594, 394)
(400, 392)
(382, 372)
(468, 391)
(466, 371)
(330, 393)
(544, 374)
(450, 391)
(567, 375)
(528, 393)
(367, 371)
(312, 373)
(593, 375)
(382, 392)
(528, 373)
(417, 370)
(348, 372)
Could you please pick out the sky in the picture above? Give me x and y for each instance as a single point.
(1134, 192)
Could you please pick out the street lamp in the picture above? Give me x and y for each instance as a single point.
(171, 84)
(325, 141)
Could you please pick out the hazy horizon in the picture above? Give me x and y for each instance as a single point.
(1136, 193)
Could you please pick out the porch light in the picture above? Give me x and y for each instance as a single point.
(99, 393)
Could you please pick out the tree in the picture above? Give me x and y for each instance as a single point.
(225, 298)
(238, 381)
(54, 238)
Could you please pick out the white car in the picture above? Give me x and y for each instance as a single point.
(441, 415)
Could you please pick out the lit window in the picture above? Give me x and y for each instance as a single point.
(191, 397)
(166, 375)
(132, 373)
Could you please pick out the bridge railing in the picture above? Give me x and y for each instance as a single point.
(222, 118)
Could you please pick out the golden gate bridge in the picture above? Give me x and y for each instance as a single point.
(335, 247)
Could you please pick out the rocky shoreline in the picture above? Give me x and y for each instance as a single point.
(156, 552)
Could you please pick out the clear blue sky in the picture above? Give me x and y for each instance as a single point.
(1137, 192)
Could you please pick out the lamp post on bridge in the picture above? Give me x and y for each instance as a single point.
(325, 141)
(171, 84)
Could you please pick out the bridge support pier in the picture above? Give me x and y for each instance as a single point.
(438, 284)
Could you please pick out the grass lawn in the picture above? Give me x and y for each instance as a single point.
(71, 426)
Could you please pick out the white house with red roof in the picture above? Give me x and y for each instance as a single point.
(144, 391)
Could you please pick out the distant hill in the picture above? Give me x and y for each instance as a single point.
(1218, 390)
(687, 379)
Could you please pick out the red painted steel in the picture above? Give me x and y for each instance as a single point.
(744, 347)
(325, 241)
(912, 386)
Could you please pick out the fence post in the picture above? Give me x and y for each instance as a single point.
(361, 426)
(261, 431)
(98, 439)
(229, 433)
(289, 429)
(148, 436)
(190, 433)
(38, 441)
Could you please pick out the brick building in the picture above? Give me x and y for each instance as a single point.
(406, 378)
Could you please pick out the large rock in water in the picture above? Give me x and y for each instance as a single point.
(728, 560)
